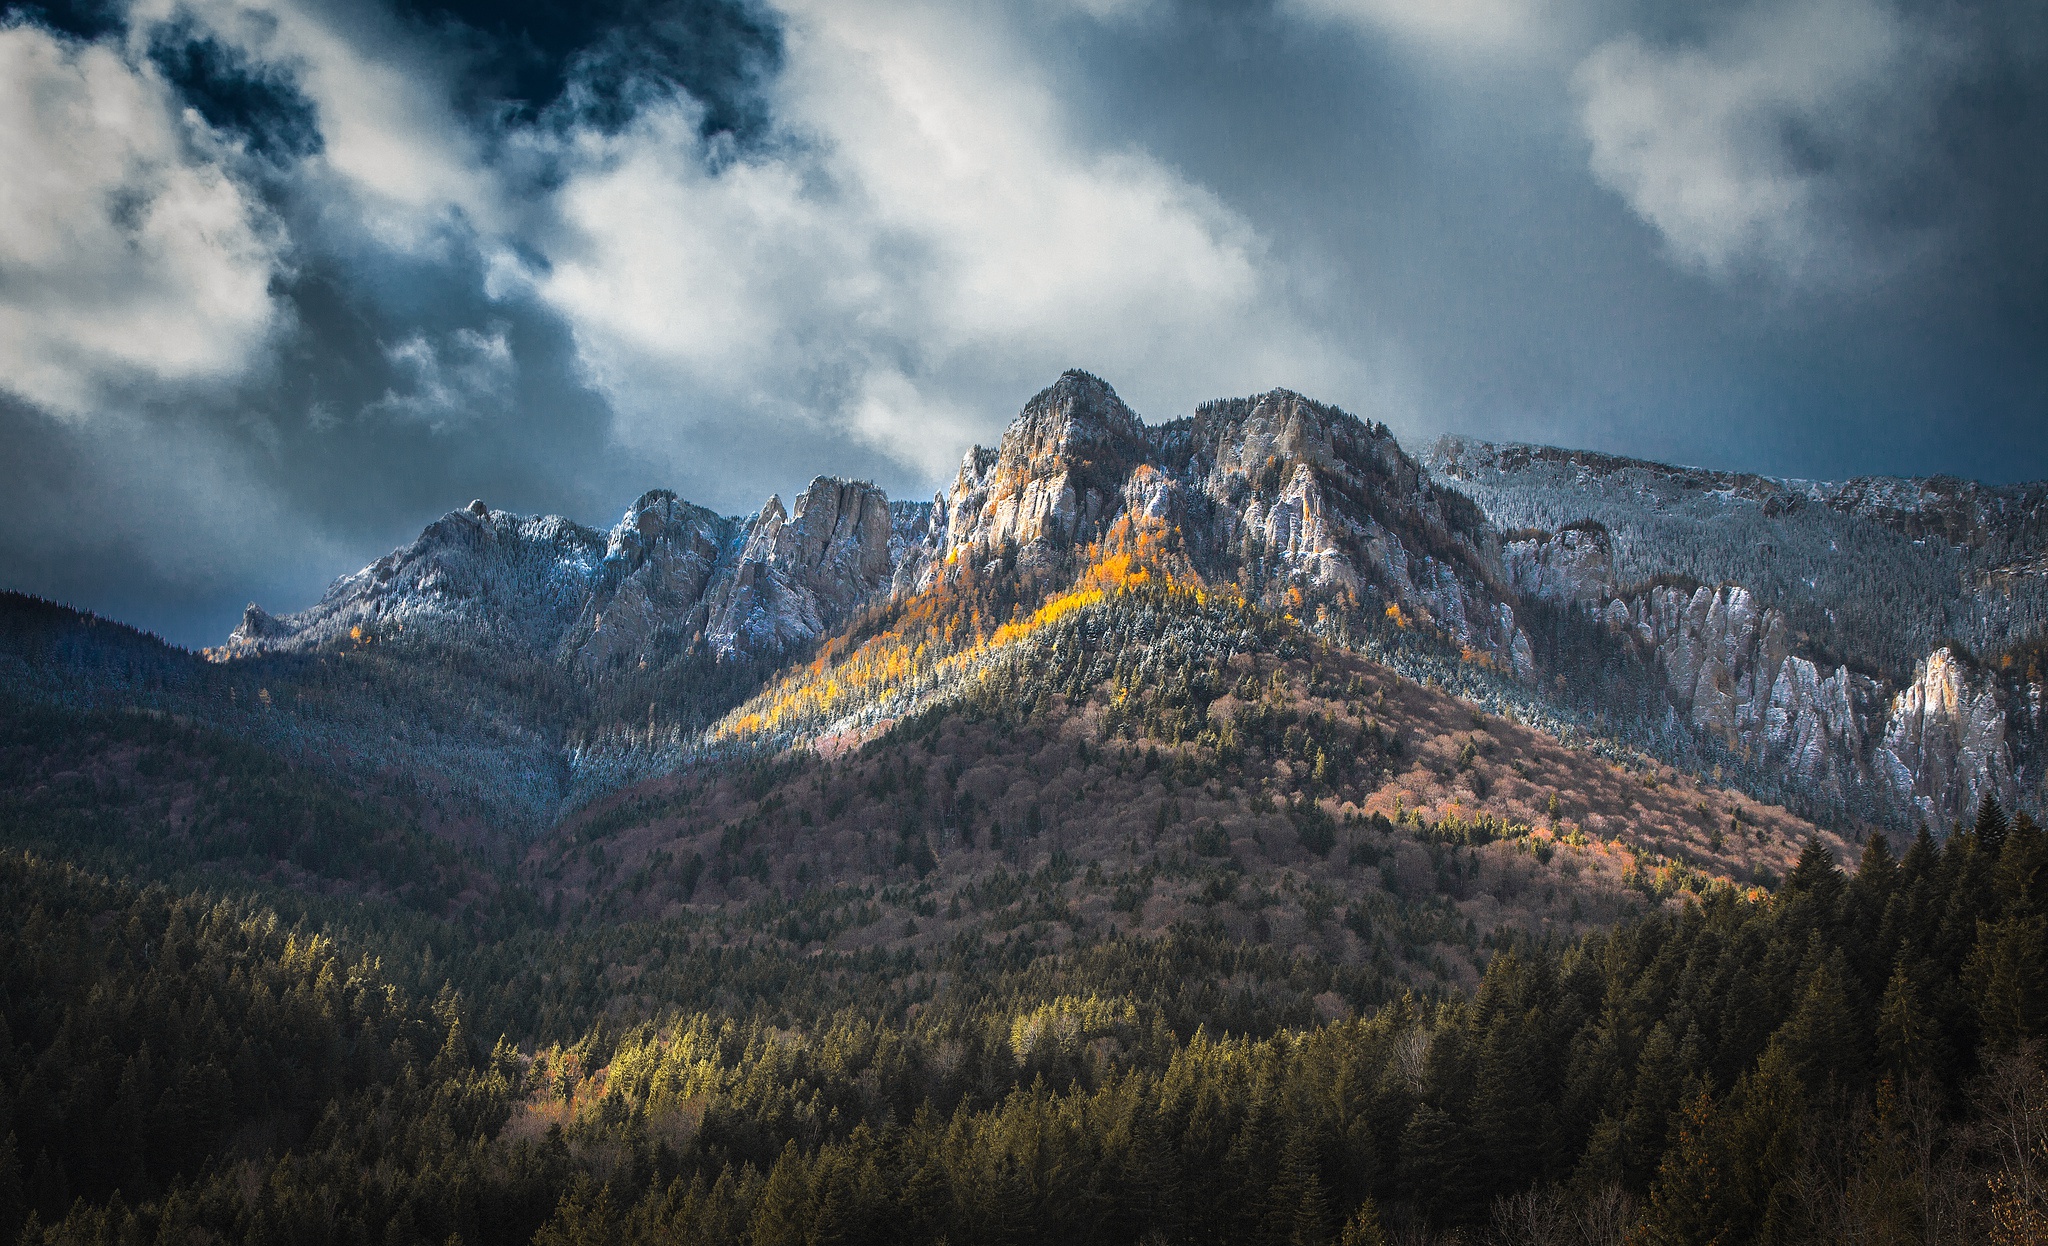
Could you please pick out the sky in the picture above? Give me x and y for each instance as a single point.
(281, 281)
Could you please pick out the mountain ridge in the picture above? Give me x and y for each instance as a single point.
(1639, 617)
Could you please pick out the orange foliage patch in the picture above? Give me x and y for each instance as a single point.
(944, 631)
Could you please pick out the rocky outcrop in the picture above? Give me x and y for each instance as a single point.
(1730, 671)
(475, 576)
(659, 563)
(1926, 750)
(668, 576)
(798, 574)
(1275, 492)
(1290, 499)
(1945, 744)
(1575, 564)
(1053, 481)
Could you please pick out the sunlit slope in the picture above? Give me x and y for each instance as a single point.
(1140, 751)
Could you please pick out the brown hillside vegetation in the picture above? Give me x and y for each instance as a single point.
(1320, 803)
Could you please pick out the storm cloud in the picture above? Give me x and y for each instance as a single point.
(284, 279)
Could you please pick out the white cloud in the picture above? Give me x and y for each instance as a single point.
(392, 143)
(1758, 148)
(463, 378)
(931, 242)
(1486, 29)
(129, 255)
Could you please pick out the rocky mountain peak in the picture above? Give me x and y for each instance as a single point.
(1280, 426)
(1056, 475)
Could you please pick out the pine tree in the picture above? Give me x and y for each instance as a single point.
(782, 1216)
(1907, 1040)
(1363, 1229)
(1991, 827)
(1816, 875)
(1686, 1201)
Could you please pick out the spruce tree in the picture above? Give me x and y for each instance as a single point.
(1991, 827)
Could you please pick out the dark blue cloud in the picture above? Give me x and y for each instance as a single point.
(82, 19)
(600, 60)
(260, 103)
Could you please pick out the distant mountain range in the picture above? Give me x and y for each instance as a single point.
(1869, 645)
(1217, 589)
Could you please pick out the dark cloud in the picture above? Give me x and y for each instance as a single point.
(83, 19)
(614, 54)
(262, 105)
(1447, 208)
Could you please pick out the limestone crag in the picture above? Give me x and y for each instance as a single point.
(1729, 667)
(659, 562)
(1945, 745)
(1572, 565)
(1305, 506)
(797, 575)
(1880, 569)
(475, 576)
(1274, 492)
(1052, 481)
(668, 576)
(911, 544)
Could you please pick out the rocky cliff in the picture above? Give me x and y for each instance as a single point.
(1925, 748)
(669, 575)
(1275, 492)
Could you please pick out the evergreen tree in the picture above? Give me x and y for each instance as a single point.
(1991, 826)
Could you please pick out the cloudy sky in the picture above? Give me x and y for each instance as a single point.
(282, 280)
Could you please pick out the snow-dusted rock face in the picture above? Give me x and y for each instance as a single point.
(1054, 478)
(1572, 565)
(797, 575)
(659, 562)
(1945, 744)
(912, 545)
(1928, 751)
(1730, 671)
(1880, 568)
(667, 576)
(1277, 493)
(1276, 490)
(1303, 489)
(1877, 568)
(475, 576)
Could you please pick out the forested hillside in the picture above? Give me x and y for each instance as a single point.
(1853, 1058)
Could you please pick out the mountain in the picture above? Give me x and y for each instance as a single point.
(1856, 649)
(1872, 637)
(1226, 829)
(668, 576)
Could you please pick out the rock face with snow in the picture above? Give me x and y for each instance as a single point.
(1298, 502)
(668, 576)
(1572, 565)
(796, 575)
(1945, 745)
(1730, 670)
(1273, 491)
(476, 576)
(1053, 479)
(1878, 565)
